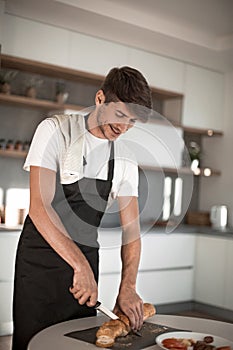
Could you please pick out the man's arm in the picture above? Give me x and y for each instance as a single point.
(128, 300)
(47, 222)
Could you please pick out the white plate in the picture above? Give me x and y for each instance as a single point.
(218, 341)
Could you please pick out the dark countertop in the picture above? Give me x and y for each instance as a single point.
(183, 228)
(199, 230)
(5, 228)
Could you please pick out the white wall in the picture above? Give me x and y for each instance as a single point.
(1, 19)
(218, 190)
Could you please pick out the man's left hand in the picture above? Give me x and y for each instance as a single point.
(130, 304)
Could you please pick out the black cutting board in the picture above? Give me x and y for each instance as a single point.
(149, 332)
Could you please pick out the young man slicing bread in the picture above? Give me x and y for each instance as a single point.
(76, 164)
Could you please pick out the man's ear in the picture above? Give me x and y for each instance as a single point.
(99, 97)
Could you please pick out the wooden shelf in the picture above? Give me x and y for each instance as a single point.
(207, 172)
(13, 153)
(186, 129)
(34, 103)
(202, 132)
(50, 70)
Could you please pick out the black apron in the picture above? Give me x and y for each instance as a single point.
(42, 277)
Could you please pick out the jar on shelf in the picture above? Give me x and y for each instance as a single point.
(6, 77)
(61, 93)
(6, 88)
(31, 92)
(26, 146)
(10, 145)
(2, 144)
(18, 145)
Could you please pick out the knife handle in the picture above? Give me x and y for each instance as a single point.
(98, 303)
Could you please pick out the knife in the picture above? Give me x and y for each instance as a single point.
(98, 306)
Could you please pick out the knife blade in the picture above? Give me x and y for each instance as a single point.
(98, 306)
(105, 311)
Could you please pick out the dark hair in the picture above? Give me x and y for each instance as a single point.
(128, 85)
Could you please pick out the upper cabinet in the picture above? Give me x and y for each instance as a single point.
(203, 98)
(162, 72)
(95, 55)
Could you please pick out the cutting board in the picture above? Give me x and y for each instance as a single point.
(149, 332)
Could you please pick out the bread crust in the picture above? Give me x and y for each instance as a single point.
(109, 331)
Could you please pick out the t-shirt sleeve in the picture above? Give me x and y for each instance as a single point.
(129, 184)
(127, 176)
(44, 149)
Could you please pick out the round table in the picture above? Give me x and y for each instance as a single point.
(53, 338)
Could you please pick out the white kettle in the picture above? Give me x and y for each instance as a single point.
(218, 216)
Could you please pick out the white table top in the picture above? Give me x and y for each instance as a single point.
(53, 338)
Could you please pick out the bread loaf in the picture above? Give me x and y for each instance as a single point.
(109, 331)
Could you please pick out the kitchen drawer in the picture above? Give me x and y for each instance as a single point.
(108, 289)
(162, 287)
(158, 251)
(167, 251)
(110, 260)
(8, 246)
(6, 293)
(156, 287)
(110, 247)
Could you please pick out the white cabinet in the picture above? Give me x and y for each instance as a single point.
(95, 55)
(165, 271)
(209, 270)
(166, 286)
(166, 268)
(8, 245)
(229, 275)
(161, 251)
(213, 272)
(156, 145)
(161, 72)
(203, 98)
(34, 40)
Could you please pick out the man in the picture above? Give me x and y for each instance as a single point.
(76, 165)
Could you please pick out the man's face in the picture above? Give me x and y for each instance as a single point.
(114, 119)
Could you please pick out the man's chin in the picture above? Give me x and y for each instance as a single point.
(113, 137)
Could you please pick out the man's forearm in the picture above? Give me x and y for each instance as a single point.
(130, 255)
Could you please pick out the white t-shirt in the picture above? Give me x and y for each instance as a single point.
(45, 151)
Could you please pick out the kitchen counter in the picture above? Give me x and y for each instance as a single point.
(53, 337)
(183, 228)
(206, 230)
(7, 228)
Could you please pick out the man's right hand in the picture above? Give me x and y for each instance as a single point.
(84, 287)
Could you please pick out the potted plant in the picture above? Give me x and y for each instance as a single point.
(6, 78)
(32, 84)
(61, 94)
